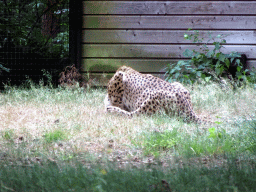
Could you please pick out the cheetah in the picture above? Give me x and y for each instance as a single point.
(130, 93)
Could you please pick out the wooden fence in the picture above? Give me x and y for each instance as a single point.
(148, 35)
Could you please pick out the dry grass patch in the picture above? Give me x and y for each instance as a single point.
(78, 114)
(225, 103)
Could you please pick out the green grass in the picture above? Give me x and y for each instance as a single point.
(62, 140)
(7, 135)
(55, 135)
(209, 142)
(63, 177)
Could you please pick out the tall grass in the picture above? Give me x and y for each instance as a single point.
(62, 139)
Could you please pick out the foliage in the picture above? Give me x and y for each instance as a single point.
(251, 77)
(205, 64)
(60, 44)
(22, 24)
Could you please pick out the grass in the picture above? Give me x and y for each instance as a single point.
(62, 140)
(52, 177)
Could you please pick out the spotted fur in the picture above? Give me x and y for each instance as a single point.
(130, 93)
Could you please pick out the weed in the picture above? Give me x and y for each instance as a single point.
(48, 77)
(217, 142)
(55, 135)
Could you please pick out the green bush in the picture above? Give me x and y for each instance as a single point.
(206, 64)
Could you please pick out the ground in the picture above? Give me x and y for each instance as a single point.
(64, 126)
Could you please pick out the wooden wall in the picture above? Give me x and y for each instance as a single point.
(148, 35)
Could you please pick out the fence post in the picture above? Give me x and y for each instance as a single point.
(75, 29)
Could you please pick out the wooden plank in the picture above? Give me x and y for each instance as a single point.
(111, 65)
(142, 65)
(161, 36)
(101, 79)
(154, 51)
(169, 22)
(169, 8)
(98, 79)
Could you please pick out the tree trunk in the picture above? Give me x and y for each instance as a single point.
(50, 21)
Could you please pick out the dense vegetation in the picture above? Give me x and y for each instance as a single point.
(28, 24)
(34, 35)
(205, 64)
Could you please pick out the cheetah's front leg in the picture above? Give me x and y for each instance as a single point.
(148, 106)
(113, 109)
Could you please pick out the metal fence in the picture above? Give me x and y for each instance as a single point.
(34, 38)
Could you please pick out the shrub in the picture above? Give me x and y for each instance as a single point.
(208, 64)
(71, 77)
